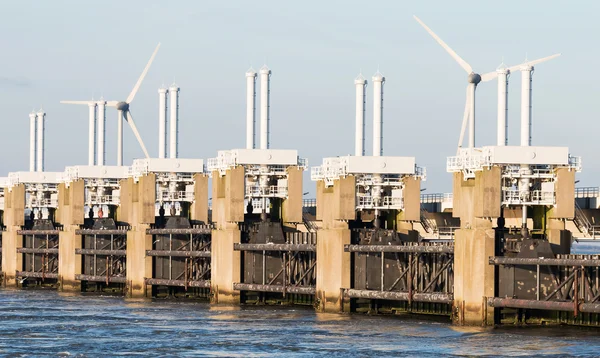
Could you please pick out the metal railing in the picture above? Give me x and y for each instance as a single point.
(176, 196)
(533, 197)
(587, 192)
(436, 198)
(269, 191)
(309, 203)
(103, 199)
(42, 203)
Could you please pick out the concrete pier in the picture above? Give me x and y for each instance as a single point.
(477, 203)
(70, 214)
(227, 212)
(14, 219)
(335, 207)
(137, 209)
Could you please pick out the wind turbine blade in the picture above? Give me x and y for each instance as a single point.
(534, 62)
(139, 82)
(76, 102)
(111, 103)
(465, 119)
(489, 76)
(454, 55)
(136, 133)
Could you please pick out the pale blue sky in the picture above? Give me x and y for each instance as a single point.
(55, 50)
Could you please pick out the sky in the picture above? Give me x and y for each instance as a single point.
(79, 50)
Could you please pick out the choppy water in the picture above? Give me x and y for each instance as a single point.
(34, 323)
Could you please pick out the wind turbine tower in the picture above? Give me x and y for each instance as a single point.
(92, 134)
(162, 122)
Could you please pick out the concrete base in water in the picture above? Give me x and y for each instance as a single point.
(70, 213)
(14, 218)
(333, 269)
(473, 276)
(225, 265)
(139, 266)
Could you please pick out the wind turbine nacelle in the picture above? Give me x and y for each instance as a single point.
(474, 78)
(123, 106)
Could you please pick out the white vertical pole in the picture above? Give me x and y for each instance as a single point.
(526, 105)
(502, 138)
(101, 132)
(32, 143)
(119, 137)
(250, 109)
(359, 140)
(265, 92)
(174, 118)
(162, 122)
(92, 134)
(472, 88)
(40, 141)
(378, 81)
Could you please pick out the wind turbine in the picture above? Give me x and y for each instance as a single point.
(123, 111)
(473, 80)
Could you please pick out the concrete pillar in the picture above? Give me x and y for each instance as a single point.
(71, 215)
(137, 207)
(335, 206)
(14, 219)
(477, 202)
(556, 233)
(227, 212)
(292, 207)
(199, 209)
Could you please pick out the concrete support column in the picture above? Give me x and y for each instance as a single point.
(291, 210)
(199, 208)
(477, 202)
(335, 205)
(70, 214)
(14, 219)
(227, 212)
(556, 232)
(137, 209)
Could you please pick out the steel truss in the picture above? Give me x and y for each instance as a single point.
(104, 255)
(573, 284)
(40, 255)
(408, 272)
(281, 268)
(181, 257)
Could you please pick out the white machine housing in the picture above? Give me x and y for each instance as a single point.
(528, 173)
(102, 185)
(41, 191)
(266, 173)
(174, 180)
(379, 179)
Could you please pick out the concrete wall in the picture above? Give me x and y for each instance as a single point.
(14, 219)
(71, 215)
(412, 199)
(227, 212)
(199, 209)
(477, 204)
(137, 209)
(292, 207)
(335, 205)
